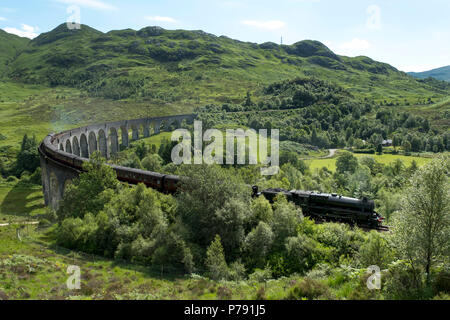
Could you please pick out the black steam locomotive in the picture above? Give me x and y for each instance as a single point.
(330, 207)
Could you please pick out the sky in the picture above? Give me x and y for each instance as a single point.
(411, 35)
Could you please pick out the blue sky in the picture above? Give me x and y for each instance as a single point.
(409, 34)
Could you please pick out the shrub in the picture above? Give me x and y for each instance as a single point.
(224, 293)
(285, 221)
(375, 251)
(261, 275)
(336, 236)
(441, 283)
(237, 271)
(36, 177)
(302, 253)
(257, 244)
(402, 281)
(261, 211)
(261, 293)
(321, 271)
(346, 162)
(309, 289)
(12, 179)
(152, 163)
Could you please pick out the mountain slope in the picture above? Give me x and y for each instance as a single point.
(175, 65)
(10, 46)
(439, 73)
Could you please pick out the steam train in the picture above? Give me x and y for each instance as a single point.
(330, 207)
(320, 206)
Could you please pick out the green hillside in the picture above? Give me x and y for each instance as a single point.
(439, 73)
(194, 66)
(10, 46)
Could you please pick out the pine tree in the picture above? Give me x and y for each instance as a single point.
(215, 260)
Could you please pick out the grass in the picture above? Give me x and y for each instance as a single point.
(39, 110)
(34, 268)
(191, 67)
(385, 159)
(20, 202)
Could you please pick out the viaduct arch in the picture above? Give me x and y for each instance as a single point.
(59, 152)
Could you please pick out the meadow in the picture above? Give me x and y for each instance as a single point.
(330, 163)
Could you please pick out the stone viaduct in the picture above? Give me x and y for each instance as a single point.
(60, 152)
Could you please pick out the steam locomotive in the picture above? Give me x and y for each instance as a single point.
(330, 207)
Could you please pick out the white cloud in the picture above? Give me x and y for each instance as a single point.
(267, 25)
(93, 4)
(2, 19)
(354, 47)
(26, 31)
(162, 19)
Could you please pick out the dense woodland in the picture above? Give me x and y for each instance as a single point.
(311, 111)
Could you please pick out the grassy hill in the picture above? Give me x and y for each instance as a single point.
(196, 67)
(10, 46)
(439, 73)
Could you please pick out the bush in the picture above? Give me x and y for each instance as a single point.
(302, 253)
(321, 271)
(286, 219)
(441, 283)
(375, 251)
(402, 281)
(257, 244)
(261, 211)
(28, 157)
(346, 162)
(12, 179)
(36, 177)
(338, 237)
(309, 289)
(152, 163)
(364, 151)
(237, 271)
(224, 293)
(261, 275)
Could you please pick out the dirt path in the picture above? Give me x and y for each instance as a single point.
(331, 155)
